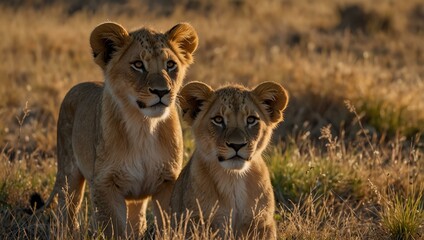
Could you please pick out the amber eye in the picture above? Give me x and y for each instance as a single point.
(252, 121)
(138, 66)
(171, 65)
(218, 120)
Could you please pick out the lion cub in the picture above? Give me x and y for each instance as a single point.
(231, 127)
(122, 136)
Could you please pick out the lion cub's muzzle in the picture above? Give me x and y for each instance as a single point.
(236, 151)
(156, 101)
(236, 155)
(161, 98)
(236, 146)
(159, 93)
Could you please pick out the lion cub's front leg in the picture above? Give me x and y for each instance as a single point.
(136, 222)
(161, 202)
(110, 208)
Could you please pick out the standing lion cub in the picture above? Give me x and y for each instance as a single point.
(231, 127)
(123, 136)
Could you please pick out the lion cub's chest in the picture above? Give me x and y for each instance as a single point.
(142, 168)
(145, 167)
(234, 200)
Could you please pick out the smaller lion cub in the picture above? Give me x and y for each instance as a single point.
(227, 176)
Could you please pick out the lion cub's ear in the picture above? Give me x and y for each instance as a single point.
(273, 97)
(185, 37)
(191, 99)
(105, 40)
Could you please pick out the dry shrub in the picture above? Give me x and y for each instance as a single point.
(356, 19)
(416, 18)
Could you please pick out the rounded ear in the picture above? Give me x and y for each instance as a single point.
(185, 37)
(273, 98)
(105, 39)
(191, 99)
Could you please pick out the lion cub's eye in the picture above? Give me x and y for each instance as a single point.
(171, 65)
(138, 66)
(252, 121)
(218, 120)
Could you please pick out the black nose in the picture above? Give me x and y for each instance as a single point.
(236, 146)
(160, 93)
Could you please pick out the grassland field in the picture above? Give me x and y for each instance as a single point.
(347, 162)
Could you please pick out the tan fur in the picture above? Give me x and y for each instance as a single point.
(227, 167)
(112, 137)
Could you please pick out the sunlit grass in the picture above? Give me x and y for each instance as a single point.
(403, 216)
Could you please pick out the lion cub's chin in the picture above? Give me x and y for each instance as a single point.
(157, 111)
(236, 165)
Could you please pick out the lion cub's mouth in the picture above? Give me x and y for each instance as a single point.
(233, 158)
(142, 105)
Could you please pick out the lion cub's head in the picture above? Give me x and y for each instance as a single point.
(232, 125)
(144, 69)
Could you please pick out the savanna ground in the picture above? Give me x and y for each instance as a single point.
(347, 163)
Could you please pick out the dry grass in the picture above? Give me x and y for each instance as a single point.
(339, 172)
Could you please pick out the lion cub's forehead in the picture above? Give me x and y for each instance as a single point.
(152, 42)
(233, 98)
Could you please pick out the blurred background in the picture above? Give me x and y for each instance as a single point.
(324, 52)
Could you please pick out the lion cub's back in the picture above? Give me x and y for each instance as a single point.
(78, 124)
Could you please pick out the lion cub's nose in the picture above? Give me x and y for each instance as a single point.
(236, 146)
(160, 93)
